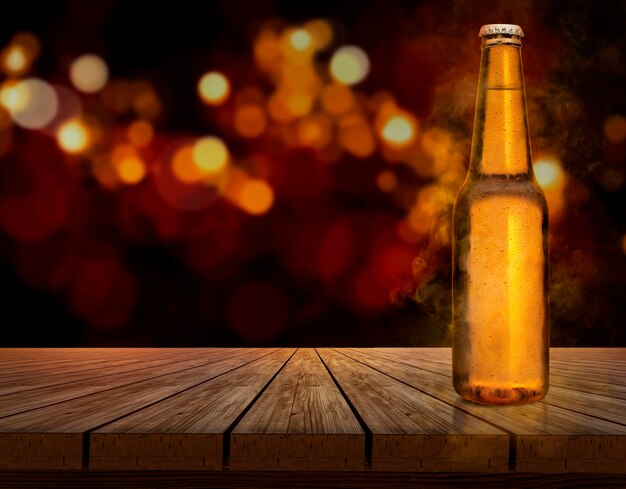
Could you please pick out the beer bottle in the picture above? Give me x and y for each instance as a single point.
(500, 242)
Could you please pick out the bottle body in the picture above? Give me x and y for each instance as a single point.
(500, 248)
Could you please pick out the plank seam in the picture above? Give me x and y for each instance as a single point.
(369, 437)
(231, 427)
(511, 435)
(545, 401)
(113, 387)
(95, 374)
(87, 433)
(295, 393)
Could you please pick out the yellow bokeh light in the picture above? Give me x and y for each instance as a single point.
(256, 197)
(387, 181)
(349, 65)
(15, 60)
(548, 173)
(32, 102)
(14, 95)
(210, 155)
(73, 136)
(552, 179)
(299, 103)
(140, 133)
(337, 99)
(213, 88)
(398, 131)
(300, 39)
(250, 120)
(89, 73)
(615, 129)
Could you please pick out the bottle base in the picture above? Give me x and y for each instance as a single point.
(502, 396)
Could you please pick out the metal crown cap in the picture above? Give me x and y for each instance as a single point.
(491, 29)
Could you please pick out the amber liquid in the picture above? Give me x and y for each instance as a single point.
(501, 333)
(500, 247)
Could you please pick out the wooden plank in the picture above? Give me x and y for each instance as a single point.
(185, 431)
(301, 422)
(51, 437)
(32, 370)
(607, 402)
(233, 479)
(548, 438)
(558, 378)
(599, 406)
(22, 401)
(412, 431)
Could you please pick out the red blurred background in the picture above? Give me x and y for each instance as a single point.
(282, 173)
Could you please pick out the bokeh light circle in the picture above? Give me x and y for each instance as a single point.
(89, 73)
(349, 65)
(73, 136)
(213, 88)
(210, 155)
(32, 102)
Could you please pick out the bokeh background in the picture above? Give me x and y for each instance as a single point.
(274, 172)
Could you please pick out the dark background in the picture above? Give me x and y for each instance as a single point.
(262, 285)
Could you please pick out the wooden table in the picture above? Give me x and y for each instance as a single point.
(347, 417)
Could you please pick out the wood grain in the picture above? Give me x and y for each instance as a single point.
(548, 438)
(78, 384)
(185, 431)
(380, 415)
(301, 422)
(413, 431)
(190, 479)
(51, 436)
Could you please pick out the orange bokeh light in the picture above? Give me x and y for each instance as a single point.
(250, 120)
(184, 167)
(314, 130)
(321, 32)
(387, 181)
(267, 51)
(356, 136)
(131, 170)
(337, 99)
(256, 196)
(140, 133)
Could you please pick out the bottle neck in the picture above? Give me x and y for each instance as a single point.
(501, 143)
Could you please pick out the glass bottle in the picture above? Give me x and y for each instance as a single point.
(500, 242)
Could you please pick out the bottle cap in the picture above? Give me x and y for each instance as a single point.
(505, 29)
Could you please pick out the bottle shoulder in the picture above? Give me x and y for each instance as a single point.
(476, 188)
